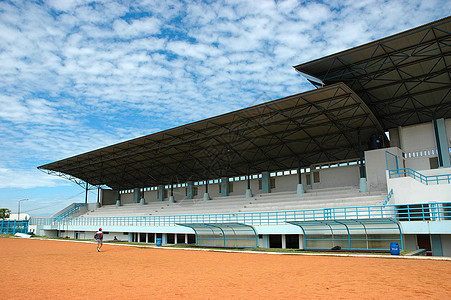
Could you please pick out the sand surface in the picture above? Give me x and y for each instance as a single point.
(47, 269)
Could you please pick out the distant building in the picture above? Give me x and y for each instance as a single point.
(16, 217)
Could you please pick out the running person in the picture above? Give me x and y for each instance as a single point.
(99, 237)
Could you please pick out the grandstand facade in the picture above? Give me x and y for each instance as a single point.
(359, 162)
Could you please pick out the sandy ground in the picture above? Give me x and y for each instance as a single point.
(47, 269)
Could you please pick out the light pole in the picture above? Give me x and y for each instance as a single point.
(18, 208)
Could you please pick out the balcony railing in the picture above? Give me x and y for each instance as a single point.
(433, 179)
(407, 212)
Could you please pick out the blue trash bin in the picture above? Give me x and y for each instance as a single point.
(159, 241)
(394, 248)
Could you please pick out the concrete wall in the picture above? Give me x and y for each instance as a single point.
(336, 177)
(410, 242)
(107, 197)
(127, 198)
(285, 183)
(376, 166)
(151, 196)
(329, 177)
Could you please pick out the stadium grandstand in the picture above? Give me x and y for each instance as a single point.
(359, 162)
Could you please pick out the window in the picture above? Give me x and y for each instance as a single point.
(315, 177)
(433, 162)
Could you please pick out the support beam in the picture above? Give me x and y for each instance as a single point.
(300, 187)
(362, 182)
(206, 194)
(224, 186)
(136, 195)
(266, 182)
(86, 193)
(161, 192)
(171, 197)
(118, 198)
(189, 190)
(98, 198)
(248, 190)
(143, 200)
(442, 143)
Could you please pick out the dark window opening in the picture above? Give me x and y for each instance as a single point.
(433, 162)
(292, 241)
(170, 238)
(142, 237)
(151, 237)
(191, 238)
(180, 239)
(275, 241)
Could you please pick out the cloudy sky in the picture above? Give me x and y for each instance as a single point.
(79, 75)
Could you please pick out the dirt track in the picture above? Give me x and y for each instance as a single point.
(45, 269)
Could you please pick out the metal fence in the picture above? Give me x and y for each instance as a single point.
(407, 212)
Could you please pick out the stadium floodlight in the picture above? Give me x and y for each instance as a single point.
(18, 207)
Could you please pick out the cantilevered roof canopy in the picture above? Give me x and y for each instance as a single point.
(313, 127)
(404, 79)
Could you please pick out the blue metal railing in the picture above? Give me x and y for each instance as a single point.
(72, 211)
(387, 199)
(407, 212)
(434, 179)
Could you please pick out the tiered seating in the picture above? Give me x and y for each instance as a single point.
(313, 199)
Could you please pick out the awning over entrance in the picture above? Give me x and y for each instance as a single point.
(360, 234)
(233, 235)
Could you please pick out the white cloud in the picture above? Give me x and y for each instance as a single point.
(80, 75)
(144, 27)
(25, 179)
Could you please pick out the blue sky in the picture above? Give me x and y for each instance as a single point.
(79, 75)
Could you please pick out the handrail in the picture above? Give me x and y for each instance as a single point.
(387, 199)
(432, 179)
(406, 212)
(70, 212)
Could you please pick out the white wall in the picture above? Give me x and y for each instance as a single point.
(417, 137)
